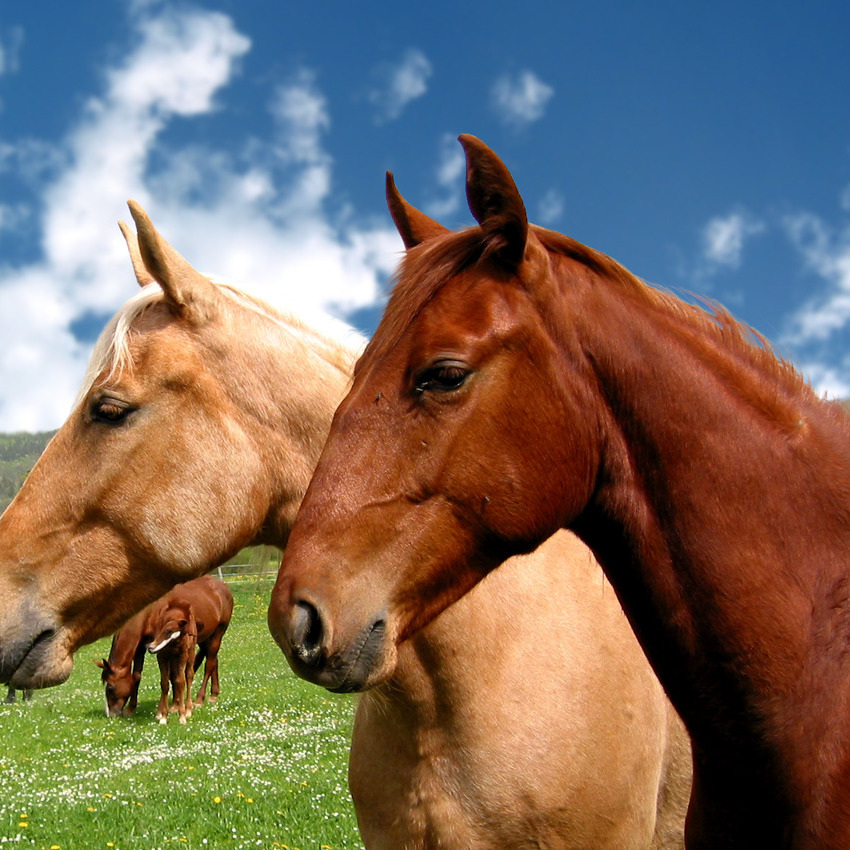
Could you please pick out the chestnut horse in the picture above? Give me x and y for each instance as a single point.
(195, 434)
(193, 614)
(121, 673)
(520, 382)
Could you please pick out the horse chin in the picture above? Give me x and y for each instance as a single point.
(369, 662)
(45, 664)
(372, 663)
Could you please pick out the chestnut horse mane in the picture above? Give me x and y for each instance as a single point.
(427, 267)
(111, 352)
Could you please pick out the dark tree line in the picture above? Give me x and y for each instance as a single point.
(18, 454)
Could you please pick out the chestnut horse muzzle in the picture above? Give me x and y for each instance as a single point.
(302, 635)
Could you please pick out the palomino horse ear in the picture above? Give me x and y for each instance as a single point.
(494, 201)
(143, 276)
(180, 282)
(413, 226)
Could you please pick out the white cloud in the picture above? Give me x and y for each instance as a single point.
(723, 238)
(449, 174)
(255, 215)
(520, 99)
(826, 252)
(11, 42)
(551, 207)
(828, 380)
(399, 84)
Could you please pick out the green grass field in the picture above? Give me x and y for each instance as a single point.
(264, 767)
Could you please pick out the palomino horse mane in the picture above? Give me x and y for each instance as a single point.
(111, 353)
(719, 336)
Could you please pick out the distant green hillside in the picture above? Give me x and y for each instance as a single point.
(18, 454)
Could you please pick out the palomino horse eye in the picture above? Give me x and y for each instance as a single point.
(442, 377)
(110, 411)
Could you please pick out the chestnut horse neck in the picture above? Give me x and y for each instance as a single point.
(125, 643)
(720, 471)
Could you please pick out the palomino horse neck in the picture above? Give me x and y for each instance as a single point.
(520, 382)
(192, 437)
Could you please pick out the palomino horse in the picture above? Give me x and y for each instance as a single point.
(121, 673)
(196, 433)
(520, 382)
(194, 614)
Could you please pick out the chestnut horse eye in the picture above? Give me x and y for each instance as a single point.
(110, 411)
(442, 377)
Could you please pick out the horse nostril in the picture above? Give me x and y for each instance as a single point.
(307, 632)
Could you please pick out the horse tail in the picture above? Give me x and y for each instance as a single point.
(200, 655)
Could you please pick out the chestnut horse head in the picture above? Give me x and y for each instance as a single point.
(192, 436)
(446, 475)
(519, 382)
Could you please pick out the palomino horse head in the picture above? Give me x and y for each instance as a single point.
(437, 467)
(191, 437)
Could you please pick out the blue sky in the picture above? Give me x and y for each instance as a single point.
(705, 146)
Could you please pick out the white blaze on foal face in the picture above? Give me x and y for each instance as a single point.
(157, 647)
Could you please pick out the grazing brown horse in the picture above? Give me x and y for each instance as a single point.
(520, 382)
(121, 673)
(195, 434)
(194, 614)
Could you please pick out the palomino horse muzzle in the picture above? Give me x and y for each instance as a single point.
(29, 654)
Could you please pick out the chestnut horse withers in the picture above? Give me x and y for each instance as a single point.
(520, 382)
(186, 371)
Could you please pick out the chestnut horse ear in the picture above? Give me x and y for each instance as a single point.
(181, 283)
(494, 201)
(413, 226)
(143, 276)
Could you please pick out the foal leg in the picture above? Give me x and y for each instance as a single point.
(10, 696)
(164, 685)
(189, 676)
(211, 668)
(203, 655)
(215, 690)
(178, 684)
(138, 666)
